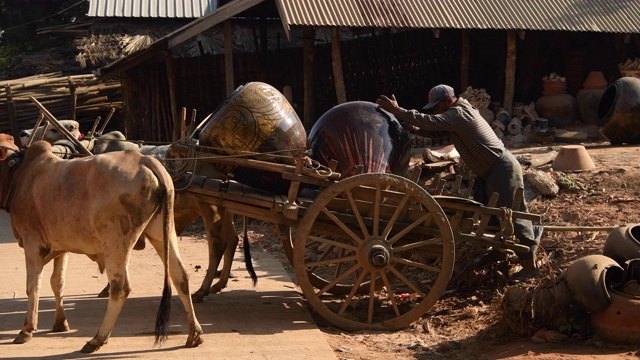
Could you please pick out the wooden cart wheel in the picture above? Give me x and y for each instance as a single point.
(285, 233)
(381, 236)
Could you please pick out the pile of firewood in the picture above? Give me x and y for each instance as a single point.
(79, 97)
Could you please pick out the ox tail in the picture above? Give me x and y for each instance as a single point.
(167, 191)
(248, 263)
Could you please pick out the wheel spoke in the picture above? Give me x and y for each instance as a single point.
(418, 244)
(352, 293)
(313, 264)
(333, 243)
(337, 280)
(392, 294)
(372, 297)
(395, 215)
(406, 281)
(356, 213)
(376, 211)
(342, 225)
(417, 264)
(407, 229)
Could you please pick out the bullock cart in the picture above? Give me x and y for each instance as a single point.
(370, 251)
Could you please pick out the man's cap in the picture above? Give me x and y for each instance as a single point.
(437, 94)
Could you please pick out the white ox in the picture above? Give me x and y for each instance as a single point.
(119, 197)
(222, 239)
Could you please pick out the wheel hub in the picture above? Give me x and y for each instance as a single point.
(376, 254)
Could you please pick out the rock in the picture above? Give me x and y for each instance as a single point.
(543, 182)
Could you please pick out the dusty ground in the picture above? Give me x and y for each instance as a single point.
(467, 322)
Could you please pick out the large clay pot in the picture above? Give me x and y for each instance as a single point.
(359, 133)
(255, 118)
(559, 109)
(619, 323)
(589, 279)
(588, 101)
(623, 243)
(619, 111)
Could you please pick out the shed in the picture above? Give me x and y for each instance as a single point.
(376, 46)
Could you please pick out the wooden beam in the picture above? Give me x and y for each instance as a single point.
(228, 57)
(336, 57)
(171, 83)
(13, 116)
(510, 71)
(208, 21)
(308, 34)
(465, 52)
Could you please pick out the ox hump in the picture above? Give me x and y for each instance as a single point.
(37, 149)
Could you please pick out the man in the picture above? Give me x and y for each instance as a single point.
(496, 168)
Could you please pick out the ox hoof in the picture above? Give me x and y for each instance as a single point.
(216, 288)
(61, 327)
(198, 296)
(194, 340)
(89, 348)
(22, 338)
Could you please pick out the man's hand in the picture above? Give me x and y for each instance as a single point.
(389, 104)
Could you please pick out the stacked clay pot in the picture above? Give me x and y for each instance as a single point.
(556, 105)
(589, 96)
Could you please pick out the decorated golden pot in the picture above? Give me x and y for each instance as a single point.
(359, 133)
(255, 120)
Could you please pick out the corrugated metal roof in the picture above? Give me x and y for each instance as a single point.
(151, 8)
(617, 16)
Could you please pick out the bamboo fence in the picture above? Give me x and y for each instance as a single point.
(77, 97)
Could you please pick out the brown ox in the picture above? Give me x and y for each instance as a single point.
(117, 197)
(222, 239)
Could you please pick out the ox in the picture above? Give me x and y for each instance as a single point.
(222, 239)
(117, 197)
(51, 134)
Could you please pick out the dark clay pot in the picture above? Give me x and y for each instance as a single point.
(256, 118)
(623, 243)
(589, 280)
(619, 111)
(359, 133)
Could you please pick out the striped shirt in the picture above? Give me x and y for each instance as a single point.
(478, 145)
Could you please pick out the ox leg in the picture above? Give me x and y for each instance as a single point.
(119, 289)
(227, 245)
(35, 264)
(57, 285)
(221, 240)
(180, 280)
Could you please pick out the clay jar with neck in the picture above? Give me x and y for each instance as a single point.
(556, 105)
(589, 96)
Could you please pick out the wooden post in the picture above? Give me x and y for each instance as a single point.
(228, 57)
(336, 57)
(168, 61)
(510, 71)
(13, 116)
(308, 34)
(73, 96)
(464, 59)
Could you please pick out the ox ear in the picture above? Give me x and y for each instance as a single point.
(6, 143)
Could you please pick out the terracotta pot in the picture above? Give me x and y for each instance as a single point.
(619, 323)
(255, 118)
(559, 109)
(595, 80)
(589, 279)
(573, 158)
(623, 243)
(588, 100)
(619, 111)
(358, 133)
